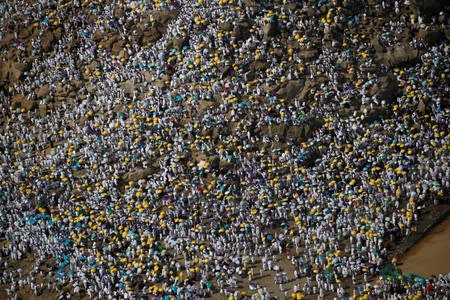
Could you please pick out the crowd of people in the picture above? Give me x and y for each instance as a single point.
(252, 144)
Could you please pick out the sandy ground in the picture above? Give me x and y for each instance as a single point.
(430, 256)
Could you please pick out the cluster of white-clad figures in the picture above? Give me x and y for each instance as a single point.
(224, 201)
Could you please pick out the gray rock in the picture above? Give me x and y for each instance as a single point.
(178, 43)
(401, 55)
(308, 85)
(373, 113)
(47, 41)
(119, 13)
(429, 6)
(152, 34)
(420, 107)
(270, 30)
(304, 131)
(386, 89)
(214, 162)
(376, 45)
(164, 16)
(16, 70)
(98, 35)
(137, 174)
(4, 69)
(21, 101)
(291, 90)
(258, 66)
(431, 37)
(226, 26)
(309, 54)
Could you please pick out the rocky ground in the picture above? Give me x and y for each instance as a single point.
(58, 60)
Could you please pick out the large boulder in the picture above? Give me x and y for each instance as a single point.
(17, 100)
(98, 35)
(421, 108)
(109, 41)
(43, 109)
(241, 31)
(119, 13)
(311, 157)
(309, 54)
(304, 131)
(225, 71)
(270, 30)
(21, 101)
(178, 42)
(137, 174)
(4, 69)
(61, 90)
(24, 33)
(309, 11)
(128, 86)
(372, 113)
(291, 90)
(226, 26)
(19, 67)
(156, 26)
(431, 37)
(47, 41)
(258, 66)
(58, 32)
(291, 6)
(163, 16)
(386, 88)
(152, 34)
(117, 47)
(309, 84)
(277, 130)
(429, 6)
(16, 70)
(42, 91)
(299, 132)
(148, 76)
(376, 44)
(399, 56)
(214, 162)
(6, 39)
(91, 88)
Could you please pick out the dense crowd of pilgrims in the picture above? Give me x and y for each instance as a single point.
(205, 177)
